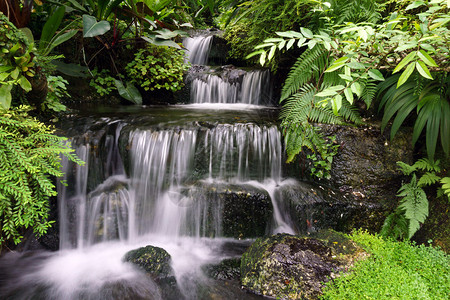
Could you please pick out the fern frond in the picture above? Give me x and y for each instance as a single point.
(428, 179)
(405, 168)
(350, 113)
(446, 186)
(303, 70)
(369, 92)
(415, 204)
(395, 226)
(426, 164)
(296, 107)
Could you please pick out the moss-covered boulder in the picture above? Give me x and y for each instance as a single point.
(292, 267)
(154, 261)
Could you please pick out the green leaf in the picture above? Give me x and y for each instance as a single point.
(356, 88)
(59, 39)
(161, 42)
(71, 69)
(5, 96)
(428, 179)
(15, 73)
(271, 53)
(426, 58)
(348, 95)
(375, 74)
(404, 61)
(254, 53)
(415, 4)
(405, 75)
(406, 46)
(290, 44)
(24, 83)
(427, 47)
(130, 92)
(446, 185)
(262, 58)
(306, 32)
(423, 70)
(336, 104)
(50, 27)
(335, 66)
(93, 28)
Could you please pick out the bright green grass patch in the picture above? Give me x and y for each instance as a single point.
(395, 270)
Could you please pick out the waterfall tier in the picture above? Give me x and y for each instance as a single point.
(172, 172)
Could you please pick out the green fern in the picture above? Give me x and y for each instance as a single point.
(446, 186)
(414, 202)
(395, 226)
(310, 62)
(29, 157)
(428, 179)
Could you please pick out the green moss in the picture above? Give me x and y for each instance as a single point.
(395, 270)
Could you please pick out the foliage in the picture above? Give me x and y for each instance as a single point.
(157, 67)
(359, 53)
(250, 22)
(394, 270)
(427, 100)
(16, 61)
(29, 156)
(102, 81)
(413, 206)
(56, 90)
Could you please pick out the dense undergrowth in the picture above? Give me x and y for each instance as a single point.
(394, 270)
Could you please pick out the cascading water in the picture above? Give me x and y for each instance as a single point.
(251, 87)
(197, 49)
(158, 182)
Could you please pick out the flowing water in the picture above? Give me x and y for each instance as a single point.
(153, 176)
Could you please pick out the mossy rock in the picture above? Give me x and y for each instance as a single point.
(154, 261)
(227, 269)
(293, 267)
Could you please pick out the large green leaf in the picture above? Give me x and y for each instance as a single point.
(59, 39)
(160, 42)
(50, 27)
(129, 92)
(93, 28)
(5, 96)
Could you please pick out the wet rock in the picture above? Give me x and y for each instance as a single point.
(292, 267)
(154, 261)
(231, 210)
(227, 269)
(364, 169)
(315, 207)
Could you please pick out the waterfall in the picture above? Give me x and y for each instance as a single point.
(251, 87)
(160, 195)
(198, 49)
(153, 177)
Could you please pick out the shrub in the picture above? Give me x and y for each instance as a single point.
(157, 67)
(29, 157)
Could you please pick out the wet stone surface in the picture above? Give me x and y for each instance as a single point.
(292, 267)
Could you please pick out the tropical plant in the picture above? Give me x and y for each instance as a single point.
(16, 61)
(157, 67)
(29, 157)
(426, 100)
(414, 38)
(248, 23)
(413, 207)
